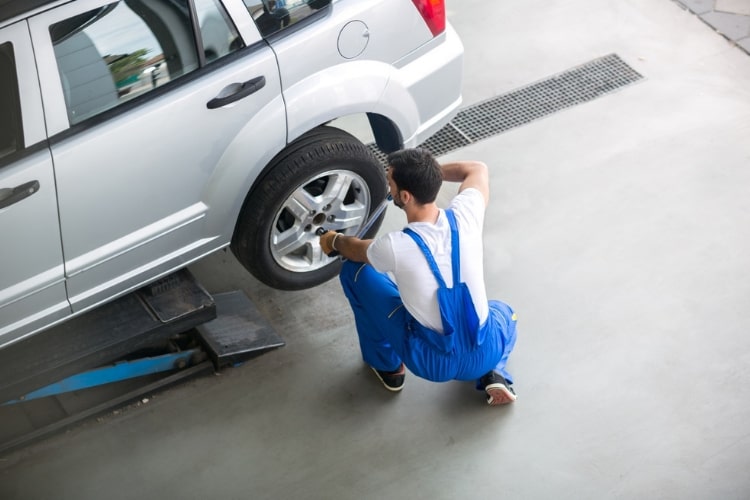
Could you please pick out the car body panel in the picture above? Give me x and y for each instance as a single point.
(32, 286)
(145, 169)
(428, 77)
(406, 82)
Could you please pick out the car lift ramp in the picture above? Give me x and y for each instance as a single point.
(117, 353)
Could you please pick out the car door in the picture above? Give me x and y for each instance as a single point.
(32, 287)
(143, 100)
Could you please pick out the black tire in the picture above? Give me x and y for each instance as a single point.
(275, 234)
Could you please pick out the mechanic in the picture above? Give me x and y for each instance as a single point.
(433, 315)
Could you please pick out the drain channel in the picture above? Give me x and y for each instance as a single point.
(519, 107)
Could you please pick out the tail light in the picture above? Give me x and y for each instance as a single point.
(433, 13)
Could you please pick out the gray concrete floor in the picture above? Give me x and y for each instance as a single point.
(618, 229)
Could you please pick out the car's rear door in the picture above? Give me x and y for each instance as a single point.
(143, 99)
(32, 287)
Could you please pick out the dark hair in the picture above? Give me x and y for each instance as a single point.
(417, 171)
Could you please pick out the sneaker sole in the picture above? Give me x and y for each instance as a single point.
(392, 389)
(498, 394)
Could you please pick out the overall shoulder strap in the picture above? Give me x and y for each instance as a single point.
(428, 255)
(455, 249)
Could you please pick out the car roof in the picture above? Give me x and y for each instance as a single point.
(12, 8)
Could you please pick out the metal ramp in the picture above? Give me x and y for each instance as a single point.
(113, 355)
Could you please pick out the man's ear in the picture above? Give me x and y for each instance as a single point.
(405, 196)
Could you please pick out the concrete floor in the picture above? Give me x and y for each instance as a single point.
(619, 230)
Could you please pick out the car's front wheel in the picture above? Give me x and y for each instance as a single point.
(326, 178)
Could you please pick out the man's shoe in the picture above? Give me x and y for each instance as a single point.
(393, 381)
(499, 391)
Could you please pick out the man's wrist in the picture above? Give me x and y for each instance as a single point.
(333, 241)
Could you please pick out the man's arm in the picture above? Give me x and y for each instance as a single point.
(470, 174)
(350, 247)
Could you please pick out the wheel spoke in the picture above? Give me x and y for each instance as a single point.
(300, 204)
(349, 218)
(337, 189)
(289, 241)
(305, 253)
(316, 255)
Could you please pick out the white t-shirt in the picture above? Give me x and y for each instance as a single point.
(396, 253)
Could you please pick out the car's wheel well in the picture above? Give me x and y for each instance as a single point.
(387, 136)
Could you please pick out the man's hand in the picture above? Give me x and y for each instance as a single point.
(349, 247)
(327, 241)
(470, 174)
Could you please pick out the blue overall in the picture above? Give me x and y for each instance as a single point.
(388, 334)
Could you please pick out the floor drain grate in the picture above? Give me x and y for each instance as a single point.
(519, 107)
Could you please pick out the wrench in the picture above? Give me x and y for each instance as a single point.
(366, 226)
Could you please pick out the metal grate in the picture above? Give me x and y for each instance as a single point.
(519, 107)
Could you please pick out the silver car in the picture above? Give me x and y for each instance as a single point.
(138, 136)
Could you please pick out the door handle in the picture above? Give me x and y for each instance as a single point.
(18, 193)
(236, 91)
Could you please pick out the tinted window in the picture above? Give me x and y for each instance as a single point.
(218, 34)
(11, 128)
(274, 15)
(125, 49)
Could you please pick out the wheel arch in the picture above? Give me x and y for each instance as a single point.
(358, 87)
(269, 166)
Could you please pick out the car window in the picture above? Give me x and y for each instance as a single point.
(125, 49)
(272, 16)
(218, 34)
(11, 128)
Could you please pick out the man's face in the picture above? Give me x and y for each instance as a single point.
(395, 192)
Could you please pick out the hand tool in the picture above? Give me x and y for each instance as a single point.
(366, 226)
